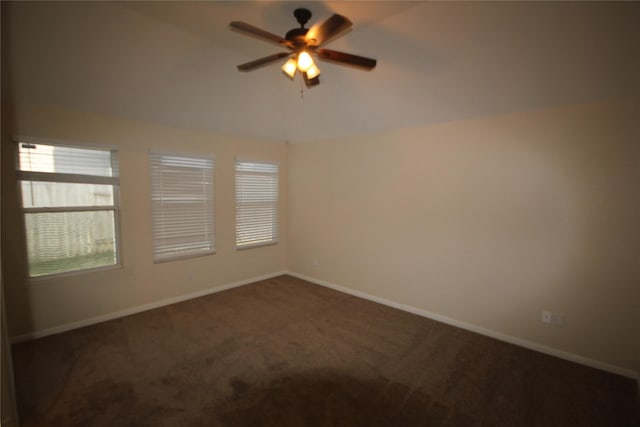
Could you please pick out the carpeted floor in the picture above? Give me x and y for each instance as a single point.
(284, 352)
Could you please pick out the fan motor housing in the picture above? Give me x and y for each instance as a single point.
(296, 35)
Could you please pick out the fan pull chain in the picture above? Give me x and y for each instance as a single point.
(301, 90)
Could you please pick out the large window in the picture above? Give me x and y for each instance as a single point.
(70, 202)
(256, 204)
(182, 206)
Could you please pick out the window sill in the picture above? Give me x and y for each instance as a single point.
(256, 245)
(53, 276)
(181, 257)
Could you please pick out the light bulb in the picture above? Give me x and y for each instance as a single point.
(289, 68)
(313, 72)
(304, 61)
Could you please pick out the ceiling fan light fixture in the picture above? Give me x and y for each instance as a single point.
(290, 67)
(302, 44)
(305, 62)
(313, 72)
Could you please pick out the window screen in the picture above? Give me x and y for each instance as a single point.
(70, 203)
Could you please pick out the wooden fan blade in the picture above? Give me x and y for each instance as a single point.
(347, 58)
(261, 34)
(319, 34)
(262, 61)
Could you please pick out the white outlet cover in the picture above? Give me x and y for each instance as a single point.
(551, 318)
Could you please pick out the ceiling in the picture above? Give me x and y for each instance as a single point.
(175, 62)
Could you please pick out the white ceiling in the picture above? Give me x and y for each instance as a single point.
(175, 62)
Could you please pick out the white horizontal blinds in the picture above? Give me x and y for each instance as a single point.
(182, 206)
(65, 160)
(70, 202)
(256, 203)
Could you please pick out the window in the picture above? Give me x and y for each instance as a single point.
(182, 206)
(256, 204)
(70, 203)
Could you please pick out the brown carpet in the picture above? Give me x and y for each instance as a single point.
(284, 352)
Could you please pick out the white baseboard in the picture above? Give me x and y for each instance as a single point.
(157, 304)
(478, 329)
(420, 312)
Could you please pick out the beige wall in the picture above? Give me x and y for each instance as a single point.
(487, 222)
(484, 221)
(50, 303)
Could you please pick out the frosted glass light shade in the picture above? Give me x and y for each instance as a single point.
(290, 67)
(304, 61)
(313, 72)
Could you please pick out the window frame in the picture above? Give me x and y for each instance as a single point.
(276, 239)
(114, 182)
(200, 156)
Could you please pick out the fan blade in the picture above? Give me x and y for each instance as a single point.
(319, 34)
(347, 58)
(262, 61)
(262, 34)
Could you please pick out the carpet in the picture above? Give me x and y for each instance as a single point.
(285, 352)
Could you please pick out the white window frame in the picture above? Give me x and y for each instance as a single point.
(161, 251)
(274, 221)
(114, 181)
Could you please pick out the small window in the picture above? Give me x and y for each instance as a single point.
(70, 198)
(256, 204)
(182, 206)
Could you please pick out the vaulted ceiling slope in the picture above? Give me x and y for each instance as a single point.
(175, 62)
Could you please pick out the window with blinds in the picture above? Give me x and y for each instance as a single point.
(70, 198)
(182, 206)
(256, 204)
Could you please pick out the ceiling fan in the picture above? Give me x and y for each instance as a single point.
(303, 43)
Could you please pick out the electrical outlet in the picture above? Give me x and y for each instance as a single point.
(551, 318)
